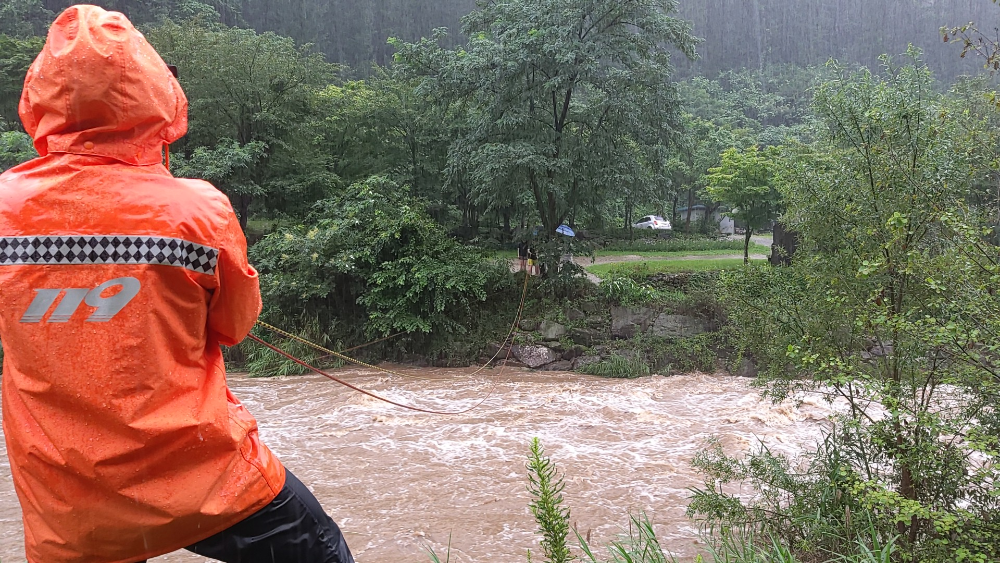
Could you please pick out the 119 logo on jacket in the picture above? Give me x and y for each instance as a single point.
(106, 307)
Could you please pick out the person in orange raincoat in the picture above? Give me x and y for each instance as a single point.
(118, 283)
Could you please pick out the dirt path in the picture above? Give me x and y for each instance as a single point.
(763, 240)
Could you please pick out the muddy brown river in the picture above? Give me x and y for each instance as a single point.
(400, 482)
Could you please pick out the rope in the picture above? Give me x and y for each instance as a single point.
(369, 393)
(346, 358)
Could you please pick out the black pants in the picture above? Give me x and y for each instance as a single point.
(292, 529)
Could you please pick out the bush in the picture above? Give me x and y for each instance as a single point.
(655, 266)
(620, 287)
(619, 367)
(674, 245)
(692, 354)
(373, 258)
(15, 148)
(562, 280)
(830, 512)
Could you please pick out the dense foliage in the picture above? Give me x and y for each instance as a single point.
(891, 305)
(250, 97)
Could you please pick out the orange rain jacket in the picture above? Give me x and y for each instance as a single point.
(118, 283)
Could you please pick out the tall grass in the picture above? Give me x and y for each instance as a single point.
(619, 367)
(638, 544)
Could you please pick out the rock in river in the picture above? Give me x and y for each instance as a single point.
(534, 356)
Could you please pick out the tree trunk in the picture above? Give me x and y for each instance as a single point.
(629, 218)
(785, 244)
(243, 207)
(687, 222)
(746, 246)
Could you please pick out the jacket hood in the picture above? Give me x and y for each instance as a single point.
(99, 88)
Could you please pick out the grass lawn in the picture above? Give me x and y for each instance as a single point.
(754, 249)
(672, 266)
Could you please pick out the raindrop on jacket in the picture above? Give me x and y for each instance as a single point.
(118, 283)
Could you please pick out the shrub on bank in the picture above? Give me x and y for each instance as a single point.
(674, 245)
(371, 262)
(654, 266)
(619, 367)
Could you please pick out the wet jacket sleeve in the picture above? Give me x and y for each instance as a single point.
(235, 303)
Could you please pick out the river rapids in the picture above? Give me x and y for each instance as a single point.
(399, 482)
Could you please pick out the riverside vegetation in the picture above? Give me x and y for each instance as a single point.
(377, 197)
(889, 305)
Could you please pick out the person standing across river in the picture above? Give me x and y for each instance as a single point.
(532, 261)
(522, 255)
(118, 283)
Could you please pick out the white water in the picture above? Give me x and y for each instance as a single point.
(398, 482)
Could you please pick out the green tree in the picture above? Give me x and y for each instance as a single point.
(564, 99)
(15, 147)
(974, 41)
(227, 165)
(382, 125)
(24, 18)
(697, 151)
(146, 12)
(745, 182)
(16, 55)
(254, 89)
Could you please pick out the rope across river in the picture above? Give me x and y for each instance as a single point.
(346, 358)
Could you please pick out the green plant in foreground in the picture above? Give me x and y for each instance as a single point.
(890, 305)
(637, 545)
(546, 486)
(434, 556)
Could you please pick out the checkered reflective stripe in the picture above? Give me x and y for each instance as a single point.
(108, 249)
